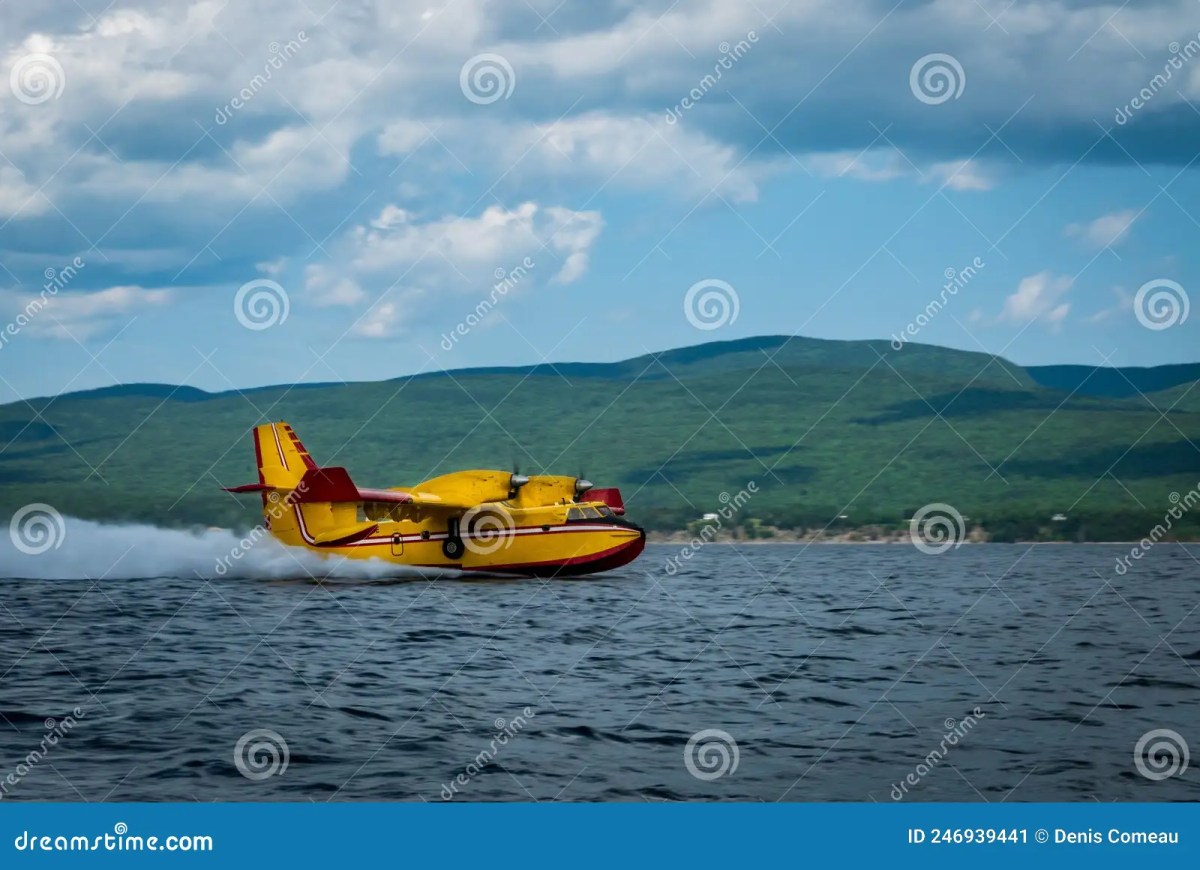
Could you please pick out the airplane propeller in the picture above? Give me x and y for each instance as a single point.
(517, 480)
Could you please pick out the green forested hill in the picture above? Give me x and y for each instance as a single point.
(823, 427)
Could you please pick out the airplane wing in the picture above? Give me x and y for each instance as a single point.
(429, 500)
(334, 485)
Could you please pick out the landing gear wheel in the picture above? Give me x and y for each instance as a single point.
(452, 547)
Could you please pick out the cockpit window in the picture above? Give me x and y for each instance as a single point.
(605, 511)
(591, 513)
(575, 514)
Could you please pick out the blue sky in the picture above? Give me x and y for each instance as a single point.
(375, 166)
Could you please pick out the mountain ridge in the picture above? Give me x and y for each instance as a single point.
(1110, 381)
(832, 432)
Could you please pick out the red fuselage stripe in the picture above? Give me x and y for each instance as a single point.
(440, 536)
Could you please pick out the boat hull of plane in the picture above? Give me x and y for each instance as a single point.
(568, 550)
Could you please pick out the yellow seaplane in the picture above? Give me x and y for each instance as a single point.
(485, 521)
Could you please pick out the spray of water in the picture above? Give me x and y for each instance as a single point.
(82, 549)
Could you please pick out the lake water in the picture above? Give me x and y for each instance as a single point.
(834, 672)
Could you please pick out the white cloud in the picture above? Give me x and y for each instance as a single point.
(17, 198)
(574, 267)
(403, 137)
(1105, 231)
(1037, 298)
(889, 164)
(403, 263)
(390, 217)
(634, 151)
(76, 315)
(324, 287)
(962, 175)
(381, 321)
(471, 247)
(599, 149)
(1123, 304)
(873, 165)
(586, 115)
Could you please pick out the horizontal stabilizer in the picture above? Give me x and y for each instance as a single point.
(610, 496)
(334, 485)
(247, 487)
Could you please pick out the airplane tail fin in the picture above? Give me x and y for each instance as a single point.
(303, 504)
(282, 459)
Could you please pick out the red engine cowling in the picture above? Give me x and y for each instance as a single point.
(610, 496)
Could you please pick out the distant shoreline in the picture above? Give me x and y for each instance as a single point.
(684, 539)
(654, 538)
